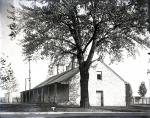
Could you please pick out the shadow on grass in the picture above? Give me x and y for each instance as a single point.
(49, 108)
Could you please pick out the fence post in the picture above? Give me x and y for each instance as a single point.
(142, 100)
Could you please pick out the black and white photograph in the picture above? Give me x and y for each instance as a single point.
(74, 58)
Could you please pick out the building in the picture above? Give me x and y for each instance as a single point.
(106, 88)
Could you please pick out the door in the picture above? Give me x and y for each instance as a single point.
(99, 98)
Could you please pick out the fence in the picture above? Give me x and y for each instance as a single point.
(141, 100)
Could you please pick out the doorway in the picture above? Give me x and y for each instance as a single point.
(99, 98)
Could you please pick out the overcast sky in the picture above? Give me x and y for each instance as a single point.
(132, 70)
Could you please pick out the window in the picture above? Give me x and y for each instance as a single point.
(99, 75)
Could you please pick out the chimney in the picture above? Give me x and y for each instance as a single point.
(57, 69)
(73, 62)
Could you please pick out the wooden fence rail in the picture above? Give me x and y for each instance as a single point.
(140, 100)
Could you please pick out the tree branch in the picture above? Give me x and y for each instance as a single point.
(94, 37)
(65, 51)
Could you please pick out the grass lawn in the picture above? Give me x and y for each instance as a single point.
(47, 108)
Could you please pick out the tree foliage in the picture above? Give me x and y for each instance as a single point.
(81, 28)
(7, 80)
(142, 90)
(128, 94)
(67, 27)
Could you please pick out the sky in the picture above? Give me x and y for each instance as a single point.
(13, 50)
(131, 70)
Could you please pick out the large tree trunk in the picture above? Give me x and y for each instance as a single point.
(84, 78)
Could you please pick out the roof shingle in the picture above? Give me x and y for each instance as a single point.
(59, 78)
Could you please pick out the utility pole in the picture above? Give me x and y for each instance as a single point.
(149, 72)
(29, 78)
(29, 73)
(29, 58)
(25, 84)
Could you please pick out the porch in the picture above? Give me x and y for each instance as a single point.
(53, 93)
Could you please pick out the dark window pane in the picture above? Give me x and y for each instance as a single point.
(99, 76)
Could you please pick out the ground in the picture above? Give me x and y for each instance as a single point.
(75, 115)
(45, 111)
(48, 108)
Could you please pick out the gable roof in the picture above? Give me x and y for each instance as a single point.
(114, 72)
(69, 74)
(59, 78)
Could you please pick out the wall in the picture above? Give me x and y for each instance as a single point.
(62, 93)
(112, 86)
(74, 90)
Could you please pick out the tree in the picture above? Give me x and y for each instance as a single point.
(148, 14)
(128, 94)
(142, 89)
(80, 28)
(7, 80)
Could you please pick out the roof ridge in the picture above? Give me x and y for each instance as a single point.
(66, 73)
(114, 72)
(53, 78)
(61, 74)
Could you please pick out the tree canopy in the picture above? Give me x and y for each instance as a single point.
(142, 89)
(70, 26)
(81, 28)
(129, 95)
(7, 80)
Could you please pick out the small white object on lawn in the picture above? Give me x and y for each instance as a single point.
(53, 108)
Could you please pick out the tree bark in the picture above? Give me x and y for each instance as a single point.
(84, 74)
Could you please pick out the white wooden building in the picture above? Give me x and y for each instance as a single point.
(106, 88)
